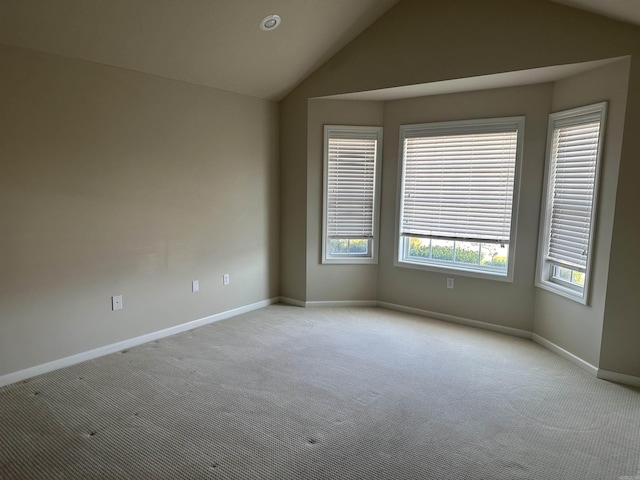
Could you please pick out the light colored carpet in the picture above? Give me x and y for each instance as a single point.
(292, 393)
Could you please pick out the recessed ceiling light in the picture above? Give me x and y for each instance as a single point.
(270, 22)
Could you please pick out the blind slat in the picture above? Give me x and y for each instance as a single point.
(351, 173)
(459, 186)
(573, 168)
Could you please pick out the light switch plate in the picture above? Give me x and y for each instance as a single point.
(195, 286)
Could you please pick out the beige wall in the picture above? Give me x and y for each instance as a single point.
(504, 303)
(421, 41)
(333, 282)
(293, 199)
(571, 325)
(621, 331)
(115, 182)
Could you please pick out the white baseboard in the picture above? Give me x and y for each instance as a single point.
(549, 345)
(583, 364)
(515, 332)
(341, 303)
(292, 301)
(328, 303)
(618, 377)
(131, 342)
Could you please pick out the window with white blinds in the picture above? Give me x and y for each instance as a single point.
(351, 177)
(573, 158)
(458, 186)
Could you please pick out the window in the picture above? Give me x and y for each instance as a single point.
(351, 194)
(458, 198)
(574, 149)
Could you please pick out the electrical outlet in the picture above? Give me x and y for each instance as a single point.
(116, 302)
(195, 286)
(449, 282)
(225, 279)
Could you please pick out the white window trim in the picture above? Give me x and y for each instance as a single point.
(453, 128)
(543, 265)
(373, 243)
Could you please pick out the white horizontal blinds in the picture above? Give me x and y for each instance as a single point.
(351, 176)
(574, 158)
(460, 185)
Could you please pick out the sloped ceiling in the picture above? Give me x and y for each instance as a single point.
(216, 43)
(625, 10)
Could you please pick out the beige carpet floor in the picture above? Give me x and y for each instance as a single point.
(349, 393)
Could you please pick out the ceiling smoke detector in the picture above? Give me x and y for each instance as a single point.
(270, 22)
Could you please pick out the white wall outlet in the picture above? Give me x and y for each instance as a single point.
(449, 282)
(225, 279)
(195, 286)
(116, 302)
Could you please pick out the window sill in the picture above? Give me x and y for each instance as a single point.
(571, 294)
(349, 261)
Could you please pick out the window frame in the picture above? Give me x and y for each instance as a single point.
(371, 257)
(545, 266)
(456, 128)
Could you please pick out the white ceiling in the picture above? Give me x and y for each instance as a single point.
(216, 43)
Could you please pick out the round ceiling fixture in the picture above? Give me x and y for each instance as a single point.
(270, 22)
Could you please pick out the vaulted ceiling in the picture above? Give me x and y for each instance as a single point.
(625, 10)
(216, 43)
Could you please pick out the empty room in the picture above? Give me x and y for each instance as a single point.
(318, 239)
